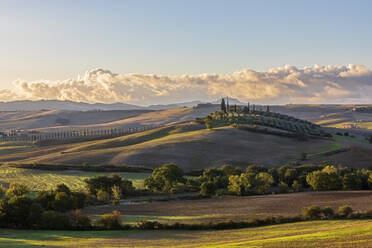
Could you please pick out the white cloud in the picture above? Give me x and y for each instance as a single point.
(322, 84)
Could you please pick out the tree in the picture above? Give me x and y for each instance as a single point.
(223, 105)
(296, 186)
(231, 170)
(351, 181)
(263, 182)
(116, 194)
(235, 186)
(17, 189)
(165, 178)
(15, 210)
(216, 176)
(370, 139)
(103, 195)
(208, 124)
(320, 180)
(62, 202)
(208, 189)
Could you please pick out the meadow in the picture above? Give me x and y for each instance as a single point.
(38, 180)
(333, 233)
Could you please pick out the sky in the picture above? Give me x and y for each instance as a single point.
(148, 52)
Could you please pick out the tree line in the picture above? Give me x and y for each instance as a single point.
(228, 179)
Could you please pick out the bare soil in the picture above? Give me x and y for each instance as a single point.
(240, 208)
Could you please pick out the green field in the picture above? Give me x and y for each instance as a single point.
(338, 233)
(38, 180)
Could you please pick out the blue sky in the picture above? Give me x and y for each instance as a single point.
(57, 40)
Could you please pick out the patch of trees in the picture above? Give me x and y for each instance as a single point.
(259, 180)
(48, 210)
(106, 188)
(59, 208)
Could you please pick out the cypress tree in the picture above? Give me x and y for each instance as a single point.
(223, 105)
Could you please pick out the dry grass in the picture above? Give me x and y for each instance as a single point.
(185, 144)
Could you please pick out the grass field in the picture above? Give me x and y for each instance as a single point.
(338, 233)
(38, 180)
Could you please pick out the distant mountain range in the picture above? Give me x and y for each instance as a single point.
(28, 105)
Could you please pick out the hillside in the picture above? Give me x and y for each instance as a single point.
(61, 120)
(190, 145)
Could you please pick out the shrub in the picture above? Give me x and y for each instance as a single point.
(312, 212)
(110, 221)
(345, 211)
(328, 212)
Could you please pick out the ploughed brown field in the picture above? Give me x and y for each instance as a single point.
(239, 208)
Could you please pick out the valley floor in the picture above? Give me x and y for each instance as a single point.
(337, 233)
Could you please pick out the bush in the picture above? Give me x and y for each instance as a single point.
(110, 221)
(328, 212)
(345, 211)
(312, 212)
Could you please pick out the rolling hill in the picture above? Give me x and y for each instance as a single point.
(189, 145)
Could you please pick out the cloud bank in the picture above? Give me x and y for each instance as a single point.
(288, 84)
